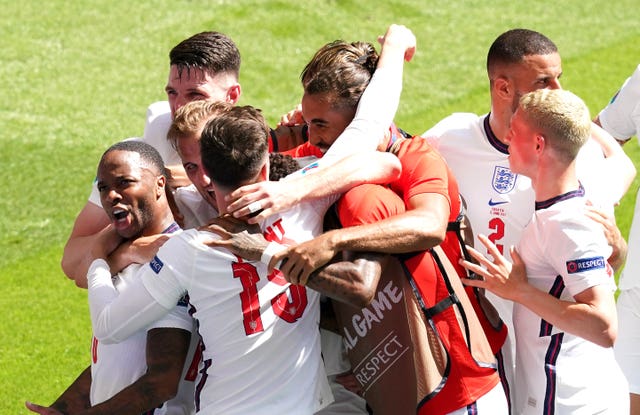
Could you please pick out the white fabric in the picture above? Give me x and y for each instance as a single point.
(626, 347)
(621, 118)
(193, 208)
(500, 203)
(565, 253)
(274, 370)
(486, 404)
(155, 132)
(372, 120)
(115, 366)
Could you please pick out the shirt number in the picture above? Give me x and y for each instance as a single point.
(288, 305)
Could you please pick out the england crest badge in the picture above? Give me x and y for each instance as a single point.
(503, 179)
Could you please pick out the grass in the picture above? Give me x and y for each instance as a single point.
(79, 76)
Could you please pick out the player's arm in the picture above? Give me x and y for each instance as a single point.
(336, 178)
(76, 257)
(616, 162)
(592, 316)
(166, 352)
(72, 401)
(614, 237)
(352, 281)
(116, 316)
(421, 227)
(374, 113)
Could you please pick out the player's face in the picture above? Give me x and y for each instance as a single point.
(325, 123)
(535, 72)
(128, 192)
(189, 150)
(522, 143)
(197, 85)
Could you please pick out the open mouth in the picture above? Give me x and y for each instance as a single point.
(119, 214)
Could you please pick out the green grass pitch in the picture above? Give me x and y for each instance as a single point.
(78, 76)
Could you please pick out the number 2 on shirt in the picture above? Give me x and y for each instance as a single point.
(288, 307)
(497, 225)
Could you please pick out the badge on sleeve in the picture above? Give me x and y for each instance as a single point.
(156, 265)
(585, 264)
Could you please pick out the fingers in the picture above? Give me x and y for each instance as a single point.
(35, 408)
(264, 214)
(493, 250)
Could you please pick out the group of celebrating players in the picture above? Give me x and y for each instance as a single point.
(465, 270)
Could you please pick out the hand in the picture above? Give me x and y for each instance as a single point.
(42, 410)
(612, 233)
(292, 118)
(140, 250)
(272, 197)
(399, 36)
(107, 240)
(237, 236)
(298, 262)
(500, 276)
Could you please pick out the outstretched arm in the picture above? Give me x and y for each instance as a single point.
(421, 227)
(352, 280)
(374, 115)
(274, 197)
(72, 401)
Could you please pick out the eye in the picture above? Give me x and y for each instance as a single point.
(125, 182)
(101, 188)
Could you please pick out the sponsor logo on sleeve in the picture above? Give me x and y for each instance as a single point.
(586, 264)
(156, 265)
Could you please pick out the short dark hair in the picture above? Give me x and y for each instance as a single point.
(513, 45)
(234, 146)
(148, 154)
(211, 52)
(281, 165)
(341, 69)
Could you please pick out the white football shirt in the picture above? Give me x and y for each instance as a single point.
(565, 253)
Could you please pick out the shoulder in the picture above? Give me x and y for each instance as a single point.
(158, 109)
(453, 122)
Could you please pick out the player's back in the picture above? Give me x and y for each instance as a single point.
(261, 347)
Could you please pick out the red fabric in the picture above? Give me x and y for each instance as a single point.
(424, 171)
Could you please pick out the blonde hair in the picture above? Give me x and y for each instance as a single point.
(562, 118)
(190, 119)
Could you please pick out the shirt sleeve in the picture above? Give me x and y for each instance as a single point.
(580, 253)
(621, 118)
(114, 316)
(374, 115)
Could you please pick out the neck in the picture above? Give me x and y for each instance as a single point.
(552, 182)
(499, 126)
(162, 220)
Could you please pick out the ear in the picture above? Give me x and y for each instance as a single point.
(161, 183)
(502, 87)
(233, 93)
(540, 143)
(263, 175)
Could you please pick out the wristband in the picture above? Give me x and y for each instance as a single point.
(268, 253)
